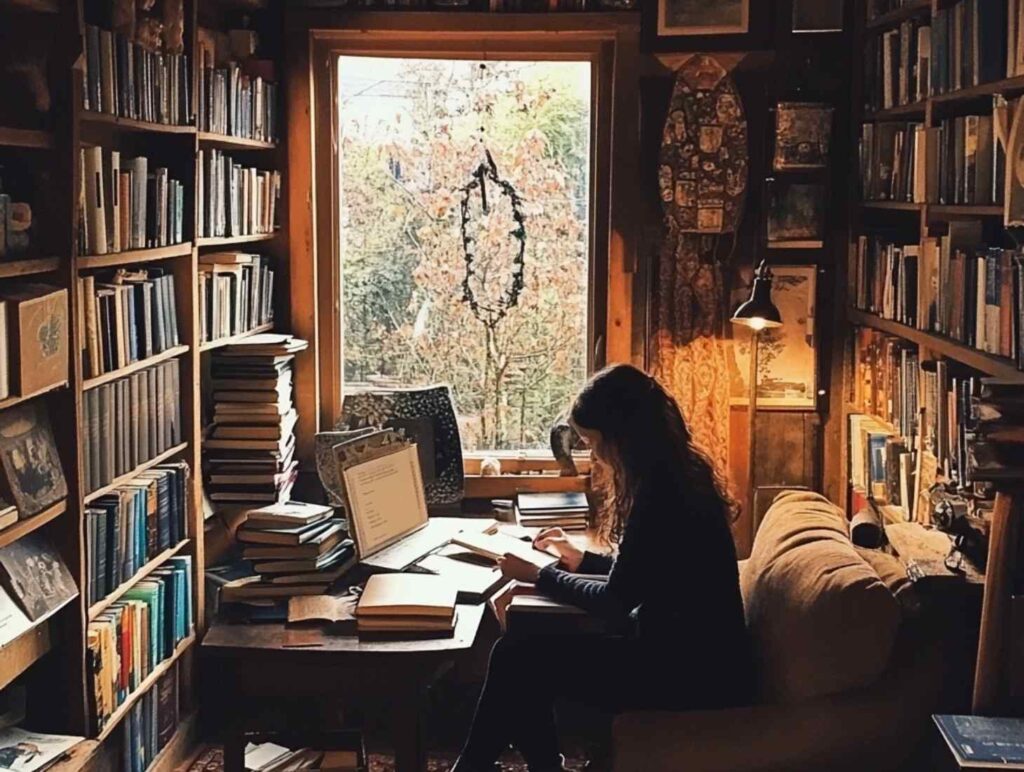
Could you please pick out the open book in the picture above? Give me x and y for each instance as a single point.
(497, 545)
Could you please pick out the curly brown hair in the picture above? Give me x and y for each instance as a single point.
(652, 453)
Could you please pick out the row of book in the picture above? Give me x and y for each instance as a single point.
(969, 41)
(151, 723)
(236, 294)
(236, 102)
(897, 67)
(125, 78)
(124, 204)
(128, 315)
(950, 285)
(130, 421)
(233, 199)
(892, 157)
(134, 523)
(250, 451)
(138, 632)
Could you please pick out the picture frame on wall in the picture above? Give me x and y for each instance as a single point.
(703, 17)
(803, 136)
(787, 355)
(817, 16)
(796, 215)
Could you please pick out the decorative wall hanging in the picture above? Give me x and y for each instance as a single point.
(703, 169)
(427, 417)
(803, 133)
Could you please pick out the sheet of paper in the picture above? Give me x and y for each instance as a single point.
(386, 495)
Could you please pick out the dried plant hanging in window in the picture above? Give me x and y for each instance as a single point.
(489, 188)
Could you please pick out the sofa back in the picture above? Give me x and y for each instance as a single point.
(821, 619)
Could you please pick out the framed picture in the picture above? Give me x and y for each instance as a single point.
(787, 364)
(817, 15)
(796, 215)
(31, 471)
(703, 17)
(803, 135)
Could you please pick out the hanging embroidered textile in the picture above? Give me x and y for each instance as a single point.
(702, 177)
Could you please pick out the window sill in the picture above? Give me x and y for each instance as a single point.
(508, 485)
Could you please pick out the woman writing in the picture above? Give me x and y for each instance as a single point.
(673, 587)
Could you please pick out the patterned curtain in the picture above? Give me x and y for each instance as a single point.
(703, 179)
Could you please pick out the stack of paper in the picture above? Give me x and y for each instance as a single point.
(250, 453)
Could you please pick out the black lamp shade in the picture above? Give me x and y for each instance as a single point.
(759, 312)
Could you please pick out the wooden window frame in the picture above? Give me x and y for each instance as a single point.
(609, 41)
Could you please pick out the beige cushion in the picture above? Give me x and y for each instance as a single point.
(821, 619)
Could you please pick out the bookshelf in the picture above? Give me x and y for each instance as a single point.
(54, 653)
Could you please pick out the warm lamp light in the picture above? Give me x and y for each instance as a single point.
(759, 312)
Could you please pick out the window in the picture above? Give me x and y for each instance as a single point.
(411, 132)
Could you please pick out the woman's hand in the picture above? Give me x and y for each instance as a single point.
(555, 540)
(514, 567)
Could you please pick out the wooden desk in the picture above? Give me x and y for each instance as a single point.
(249, 667)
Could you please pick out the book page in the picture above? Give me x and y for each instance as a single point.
(386, 496)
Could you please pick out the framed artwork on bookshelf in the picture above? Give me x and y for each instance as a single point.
(803, 134)
(787, 357)
(29, 463)
(796, 215)
(1014, 194)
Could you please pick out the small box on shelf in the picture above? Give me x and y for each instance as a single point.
(37, 329)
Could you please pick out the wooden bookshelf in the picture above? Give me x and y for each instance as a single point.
(26, 139)
(230, 241)
(912, 110)
(908, 11)
(134, 367)
(895, 206)
(25, 650)
(988, 364)
(102, 605)
(13, 269)
(210, 345)
(117, 482)
(17, 400)
(135, 256)
(34, 6)
(233, 143)
(148, 683)
(24, 527)
(130, 124)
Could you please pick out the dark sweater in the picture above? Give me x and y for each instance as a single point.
(676, 582)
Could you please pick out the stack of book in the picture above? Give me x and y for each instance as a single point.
(124, 204)
(893, 159)
(236, 294)
(130, 80)
(898, 66)
(150, 724)
(233, 199)
(969, 44)
(237, 99)
(130, 421)
(138, 632)
(568, 511)
(127, 316)
(971, 165)
(294, 548)
(133, 524)
(250, 449)
(407, 604)
(996, 445)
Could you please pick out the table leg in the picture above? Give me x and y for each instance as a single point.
(407, 731)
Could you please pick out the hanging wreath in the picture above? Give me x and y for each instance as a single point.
(492, 314)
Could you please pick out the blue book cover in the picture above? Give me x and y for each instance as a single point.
(977, 741)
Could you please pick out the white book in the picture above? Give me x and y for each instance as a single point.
(114, 197)
(95, 211)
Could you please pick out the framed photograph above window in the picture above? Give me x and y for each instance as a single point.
(707, 25)
(421, 231)
(703, 17)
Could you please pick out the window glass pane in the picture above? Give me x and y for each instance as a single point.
(412, 134)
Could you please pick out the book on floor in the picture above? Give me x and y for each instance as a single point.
(984, 743)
